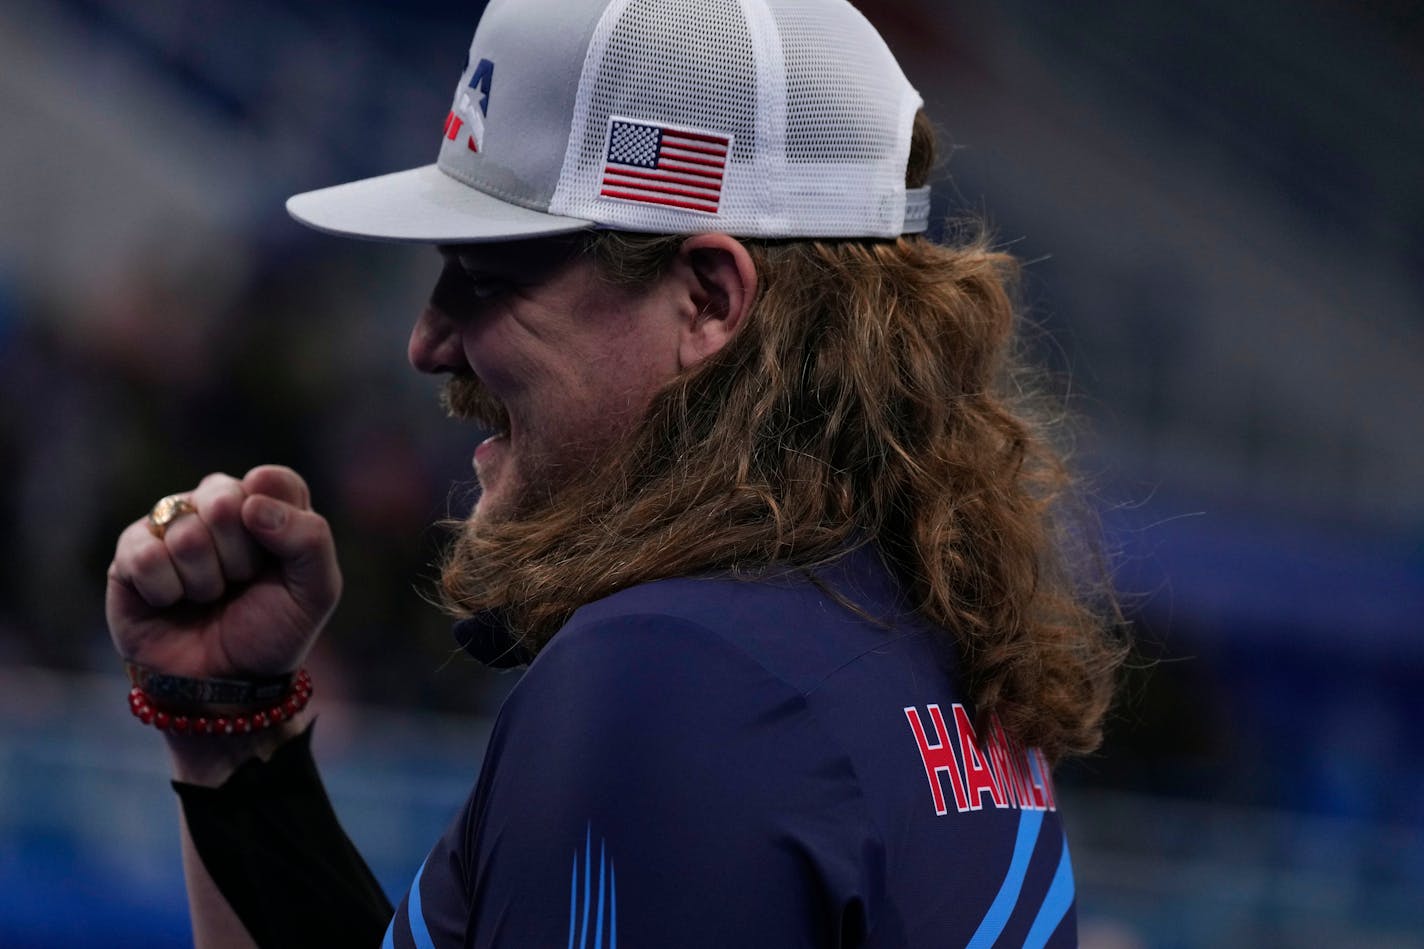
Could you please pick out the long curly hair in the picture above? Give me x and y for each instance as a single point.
(872, 394)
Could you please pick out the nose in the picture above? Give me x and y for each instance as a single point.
(435, 344)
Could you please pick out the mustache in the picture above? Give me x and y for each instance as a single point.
(467, 398)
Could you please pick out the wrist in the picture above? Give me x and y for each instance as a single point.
(209, 760)
(214, 725)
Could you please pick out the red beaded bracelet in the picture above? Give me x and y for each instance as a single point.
(146, 711)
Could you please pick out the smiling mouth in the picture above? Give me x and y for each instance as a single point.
(467, 398)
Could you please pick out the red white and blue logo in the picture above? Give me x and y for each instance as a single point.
(650, 163)
(468, 113)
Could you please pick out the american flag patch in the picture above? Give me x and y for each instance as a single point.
(659, 164)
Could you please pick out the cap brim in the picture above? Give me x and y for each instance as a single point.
(423, 205)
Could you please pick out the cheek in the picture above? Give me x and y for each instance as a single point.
(493, 351)
(574, 367)
(566, 425)
(626, 369)
(615, 394)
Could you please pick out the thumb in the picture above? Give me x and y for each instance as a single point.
(301, 541)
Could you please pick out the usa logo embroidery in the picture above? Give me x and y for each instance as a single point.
(468, 114)
(659, 164)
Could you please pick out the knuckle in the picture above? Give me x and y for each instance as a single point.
(224, 510)
(147, 559)
(188, 544)
(157, 596)
(157, 587)
(279, 481)
(130, 537)
(320, 530)
(216, 480)
(272, 471)
(256, 476)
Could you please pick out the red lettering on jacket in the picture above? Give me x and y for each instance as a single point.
(1011, 775)
(977, 776)
(938, 758)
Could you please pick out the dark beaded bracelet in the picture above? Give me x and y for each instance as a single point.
(151, 711)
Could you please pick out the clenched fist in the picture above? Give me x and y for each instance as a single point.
(239, 587)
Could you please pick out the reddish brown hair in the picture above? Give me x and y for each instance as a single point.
(871, 394)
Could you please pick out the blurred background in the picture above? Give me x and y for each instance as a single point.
(1222, 211)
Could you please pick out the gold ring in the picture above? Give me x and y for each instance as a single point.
(166, 511)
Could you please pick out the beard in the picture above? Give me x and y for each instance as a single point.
(534, 472)
(466, 397)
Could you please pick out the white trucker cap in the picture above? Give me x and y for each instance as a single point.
(760, 118)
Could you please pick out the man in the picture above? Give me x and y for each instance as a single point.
(759, 513)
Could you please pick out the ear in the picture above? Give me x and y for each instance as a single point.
(723, 286)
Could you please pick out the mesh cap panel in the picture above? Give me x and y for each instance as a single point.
(811, 107)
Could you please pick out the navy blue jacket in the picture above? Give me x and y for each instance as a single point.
(717, 761)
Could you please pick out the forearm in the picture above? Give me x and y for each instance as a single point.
(263, 847)
(216, 924)
(205, 762)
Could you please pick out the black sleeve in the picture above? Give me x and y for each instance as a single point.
(272, 844)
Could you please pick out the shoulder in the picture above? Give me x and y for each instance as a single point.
(687, 677)
(632, 670)
(798, 626)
